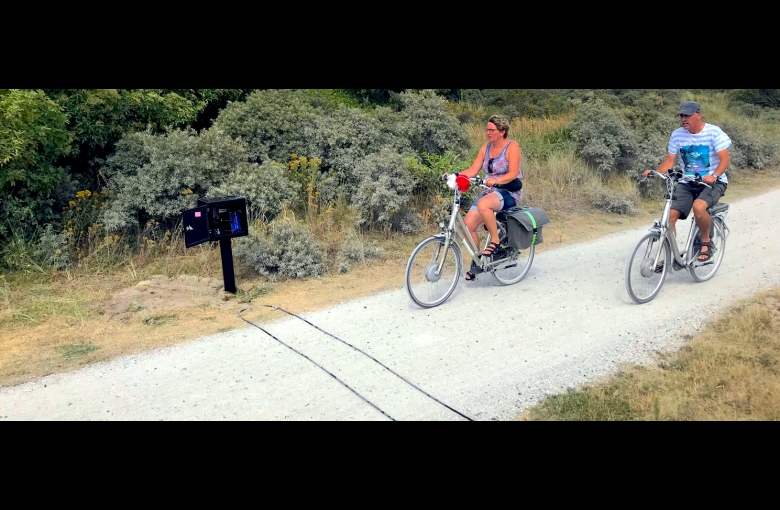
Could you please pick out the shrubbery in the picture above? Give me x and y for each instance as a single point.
(429, 126)
(384, 189)
(749, 150)
(356, 250)
(266, 188)
(271, 122)
(33, 135)
(284, 249)
(343, 138)
(337, 159)
(604, 138)
(159, 176)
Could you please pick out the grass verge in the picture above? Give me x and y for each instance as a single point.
(730, 371)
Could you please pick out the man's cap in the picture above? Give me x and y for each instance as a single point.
(689, 108)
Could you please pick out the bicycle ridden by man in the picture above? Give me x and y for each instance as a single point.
(703, 151)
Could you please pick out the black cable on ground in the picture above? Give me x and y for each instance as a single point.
(318, 365)
(374, 359)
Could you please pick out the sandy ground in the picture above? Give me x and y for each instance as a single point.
(488, 352)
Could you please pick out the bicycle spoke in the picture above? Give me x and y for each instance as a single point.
(703, 271)
(643, 282)
(515, 266)
(425, 285)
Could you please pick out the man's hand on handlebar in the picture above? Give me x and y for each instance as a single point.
(709, 179)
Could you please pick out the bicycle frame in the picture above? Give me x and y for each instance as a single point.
(662, 227)
(455, 230)
(666, 232)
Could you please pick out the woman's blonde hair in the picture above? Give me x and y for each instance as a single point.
(501, 123)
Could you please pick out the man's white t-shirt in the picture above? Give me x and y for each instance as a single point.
(699, 153)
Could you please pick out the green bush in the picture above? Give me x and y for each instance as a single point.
(52, 249)
(749, 150)
(357, 250)
(271, 122)
(759, 97)
(266, 188)
(384, 189)
(285, 250)
(97, 119)
(345, 136)
(159, 176)
(430, 126)
(612, 201)
(33, 135)
(432, 196)
(84, 210)
(604, 138)
(520, 102)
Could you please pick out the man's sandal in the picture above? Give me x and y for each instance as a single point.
(491, 248)
(470, 277)
(708, 254)
(659, 268)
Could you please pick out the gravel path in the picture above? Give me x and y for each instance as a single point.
(568, 322)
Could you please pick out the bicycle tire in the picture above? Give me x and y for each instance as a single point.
(422, 284)
(516, 267)
(642, 282)
(703, 272)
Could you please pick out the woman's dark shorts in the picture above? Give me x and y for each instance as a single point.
(507, 201)
(684, 195)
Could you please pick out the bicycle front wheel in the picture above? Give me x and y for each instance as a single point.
(425, 285)
(703, 271)
(515, 266)
(643, 278)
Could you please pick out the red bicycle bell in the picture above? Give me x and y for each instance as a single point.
(463, 183)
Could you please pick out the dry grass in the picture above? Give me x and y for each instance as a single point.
(730, 371)
(522, 128)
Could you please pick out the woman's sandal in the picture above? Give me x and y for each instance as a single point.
(470, 277)
(708, 254)
(491, 248)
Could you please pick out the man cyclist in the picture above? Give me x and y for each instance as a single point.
(704, 151)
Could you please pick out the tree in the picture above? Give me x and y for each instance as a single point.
(33, 135)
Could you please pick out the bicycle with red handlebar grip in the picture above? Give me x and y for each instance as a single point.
(436, 264)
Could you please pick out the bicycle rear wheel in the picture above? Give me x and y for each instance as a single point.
(425, 287)
(703, 271)
(515, 265)
(643, 283)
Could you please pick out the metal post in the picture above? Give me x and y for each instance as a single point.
(229, 278)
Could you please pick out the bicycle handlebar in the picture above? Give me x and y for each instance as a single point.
(475, 180)
(682, 178)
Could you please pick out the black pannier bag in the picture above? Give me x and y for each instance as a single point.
(524, 226)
